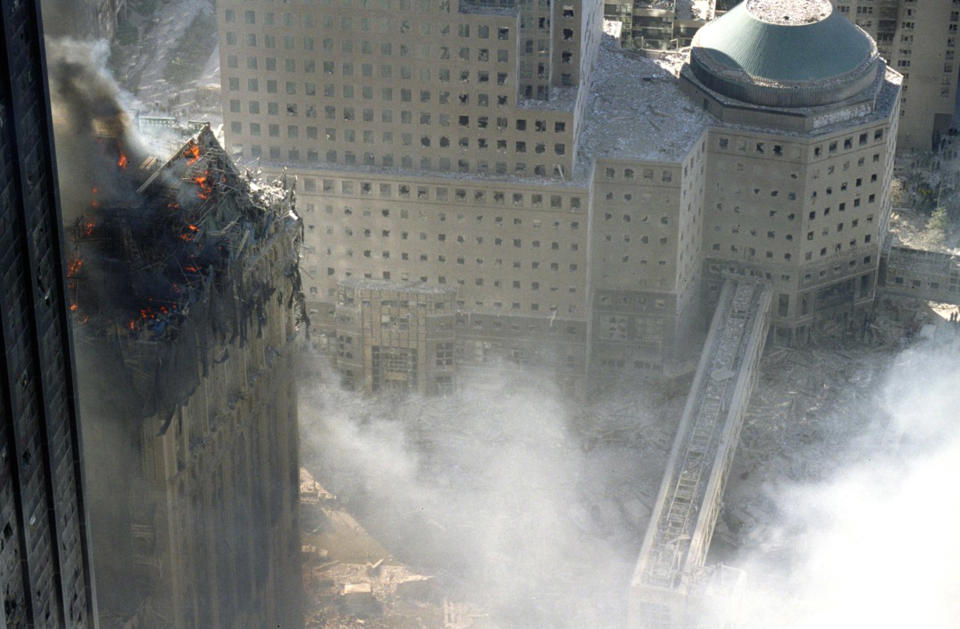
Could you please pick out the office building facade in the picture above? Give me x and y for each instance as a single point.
(567, 189)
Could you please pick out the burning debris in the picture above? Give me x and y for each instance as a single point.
(165, 257)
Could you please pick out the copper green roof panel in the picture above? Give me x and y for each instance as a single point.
(799, 45)
(777, 52)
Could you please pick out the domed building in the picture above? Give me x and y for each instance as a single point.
(785, 55)
(800, 160)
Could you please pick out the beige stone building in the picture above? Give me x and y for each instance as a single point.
(918, 38)
(573, 193)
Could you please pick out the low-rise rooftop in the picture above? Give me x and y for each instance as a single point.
(636, 111)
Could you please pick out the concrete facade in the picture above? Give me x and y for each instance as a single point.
(573, 221)
(928, 275)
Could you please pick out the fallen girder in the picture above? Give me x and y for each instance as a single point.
(668, 581)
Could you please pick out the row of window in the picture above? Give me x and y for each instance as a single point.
(515, 306)
(255, 129)
(423, 118)
(736, 229)
(420, 51)
(765, 148)
(611, 174)
(459, 239)
(915, 283)
(406, 162)
(837, 269)
(385, 24)
(444, 97)
(368, 70)
(476, 196)
(535, 265)
(752, 252)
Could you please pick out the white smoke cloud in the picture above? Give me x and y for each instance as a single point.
(491, 490)
(875, 545)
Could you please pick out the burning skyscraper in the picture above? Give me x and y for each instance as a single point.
(184, 284)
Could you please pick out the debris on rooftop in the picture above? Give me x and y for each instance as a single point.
(637, 110)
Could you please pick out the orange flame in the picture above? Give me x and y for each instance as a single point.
(122, 160)
(74, 307)
(192, 153)
(206, 188)
(73, 267)
(191, 269)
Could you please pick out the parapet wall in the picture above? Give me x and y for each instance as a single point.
(922, 274)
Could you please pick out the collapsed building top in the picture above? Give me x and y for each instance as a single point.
(785, 53)
(143, 258)
(171, 267)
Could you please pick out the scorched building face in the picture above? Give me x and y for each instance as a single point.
(185, 285)
(565, 188)
(45, 576)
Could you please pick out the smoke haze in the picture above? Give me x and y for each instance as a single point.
(91, 127)
(491, 491)
(875, 544)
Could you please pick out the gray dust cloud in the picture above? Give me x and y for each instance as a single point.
(873, 544)
(493, 490)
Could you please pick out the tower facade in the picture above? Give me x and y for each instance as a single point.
(45, 573)
(800, 164)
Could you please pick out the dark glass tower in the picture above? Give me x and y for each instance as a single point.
(45, 573)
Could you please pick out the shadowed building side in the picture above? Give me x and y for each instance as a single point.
(45, 573)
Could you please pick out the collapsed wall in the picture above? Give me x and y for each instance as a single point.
(185, 291)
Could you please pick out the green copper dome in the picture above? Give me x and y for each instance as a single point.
(784, 52)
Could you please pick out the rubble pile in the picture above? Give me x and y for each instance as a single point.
(809, 407)
(351, 581)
